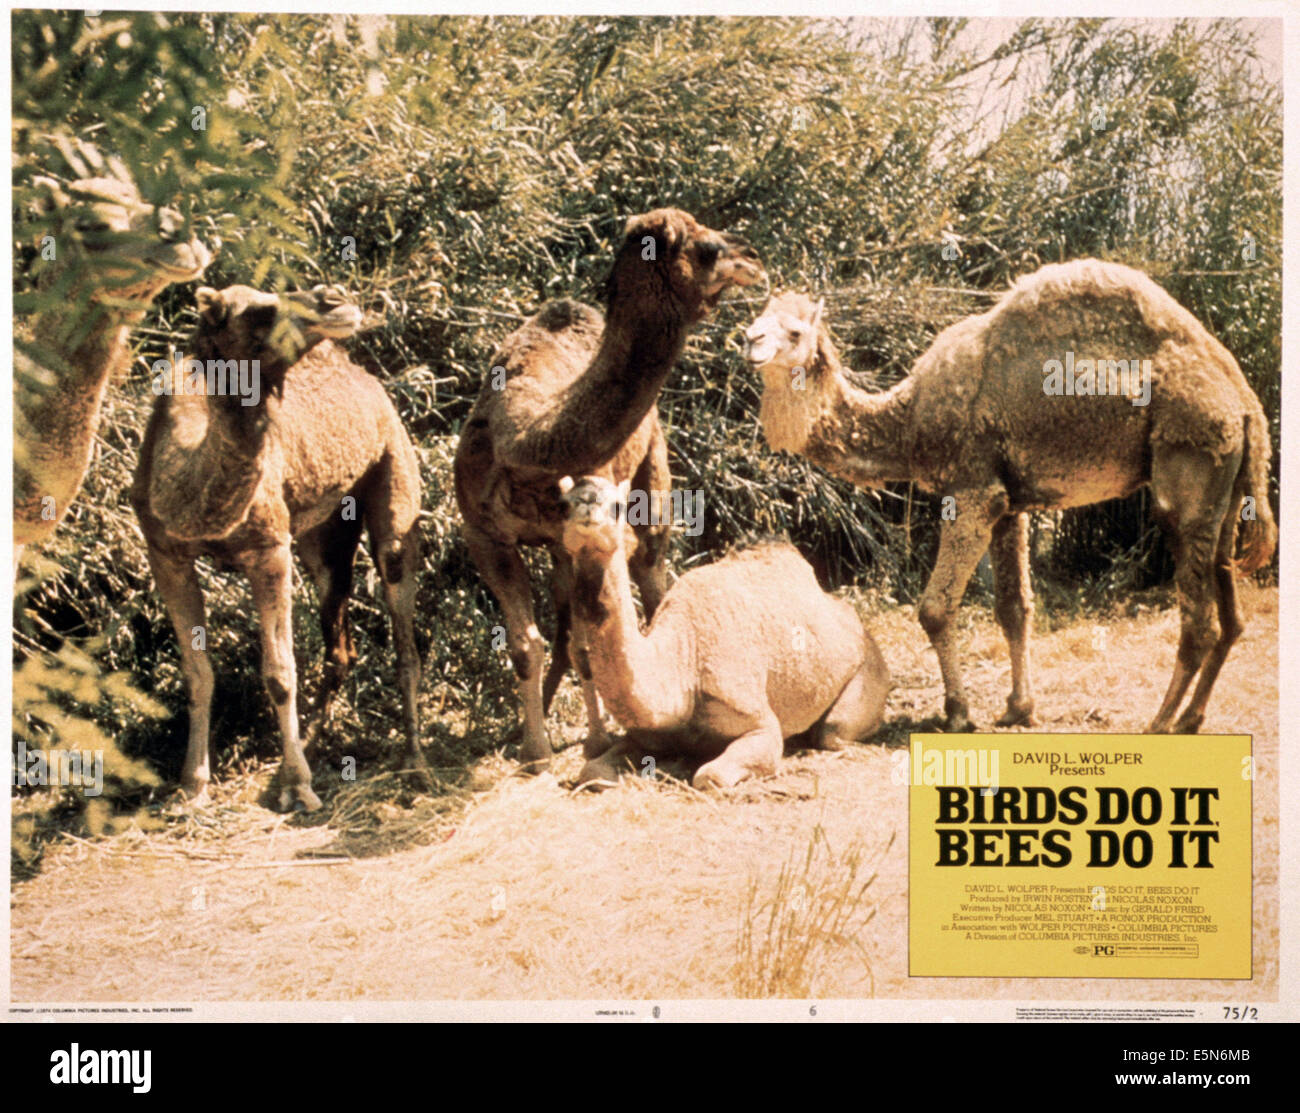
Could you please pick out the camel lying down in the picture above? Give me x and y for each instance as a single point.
(741, 655)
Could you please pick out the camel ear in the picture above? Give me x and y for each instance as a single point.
(817, 313)
(566, 484)
(212, 306)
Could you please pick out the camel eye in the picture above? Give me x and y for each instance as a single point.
(708, 252)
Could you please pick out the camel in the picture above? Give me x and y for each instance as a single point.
(114, 253)
(311, 453)
(573, 393)
(741, 655)
(999, 419)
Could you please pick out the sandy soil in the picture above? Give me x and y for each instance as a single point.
(517, 888)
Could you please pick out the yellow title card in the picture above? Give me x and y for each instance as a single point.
(1080, 855)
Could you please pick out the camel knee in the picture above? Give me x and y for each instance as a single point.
(934, 617)
(339, 660)
(1198, 636)
(279, 685)
(391, 557)
(527, 652)
(199, 679)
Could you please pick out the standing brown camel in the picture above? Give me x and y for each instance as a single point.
(113, 254)
(308, 449)
(570, 394)
(1085, 382)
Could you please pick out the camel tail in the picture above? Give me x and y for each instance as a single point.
(1257, 531)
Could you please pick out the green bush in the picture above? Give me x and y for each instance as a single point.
(455, 172)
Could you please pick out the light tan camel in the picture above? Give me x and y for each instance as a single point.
(1083, 383)
(742, 654)
(319, 453)
(112, 255)
(570, 393)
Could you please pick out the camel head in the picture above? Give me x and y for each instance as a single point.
(131, 250)
(668, 254)
(786, 334)
(277, 330)
(595, 511)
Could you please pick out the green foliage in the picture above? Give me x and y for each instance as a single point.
(455, 172)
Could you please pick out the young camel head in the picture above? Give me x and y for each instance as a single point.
(277, 330)
(127, 249)
(669, 257)
(595, 513)
(785, 336)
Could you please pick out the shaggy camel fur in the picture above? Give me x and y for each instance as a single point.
(570, 393)
(114, 254)
(321, 453)
(979, 420)
(741, 655)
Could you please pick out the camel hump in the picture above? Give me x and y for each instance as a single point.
(565, 314)
(1063, 287)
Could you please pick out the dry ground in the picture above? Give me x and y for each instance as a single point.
(515, 888)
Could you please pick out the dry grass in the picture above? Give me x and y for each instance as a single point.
(502, 887)
(815, 913)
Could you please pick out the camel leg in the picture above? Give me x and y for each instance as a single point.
(609, 765)
(1192, 495)
(1230, 628)
(859, 710)
(270, 572)
(561, 594)
(565, 651)
(328, 552)
(962, 541)
(178, 584)
(648, 566)
(754, 754)
(503, 571)
(1014, 607)
(398, 560)
(649, 569)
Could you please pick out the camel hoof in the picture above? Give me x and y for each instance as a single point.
(1017, 717)
(596, 744)
(413, 762)
(415, 773)
(958, 725)
(534, 767)
(535, 754)
(299, 798)
(596, 776)
(715, 778)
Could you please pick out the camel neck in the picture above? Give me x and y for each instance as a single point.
(626, 664)
(860, 435)
(85, 353)
(212, 447)
(606, 404)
